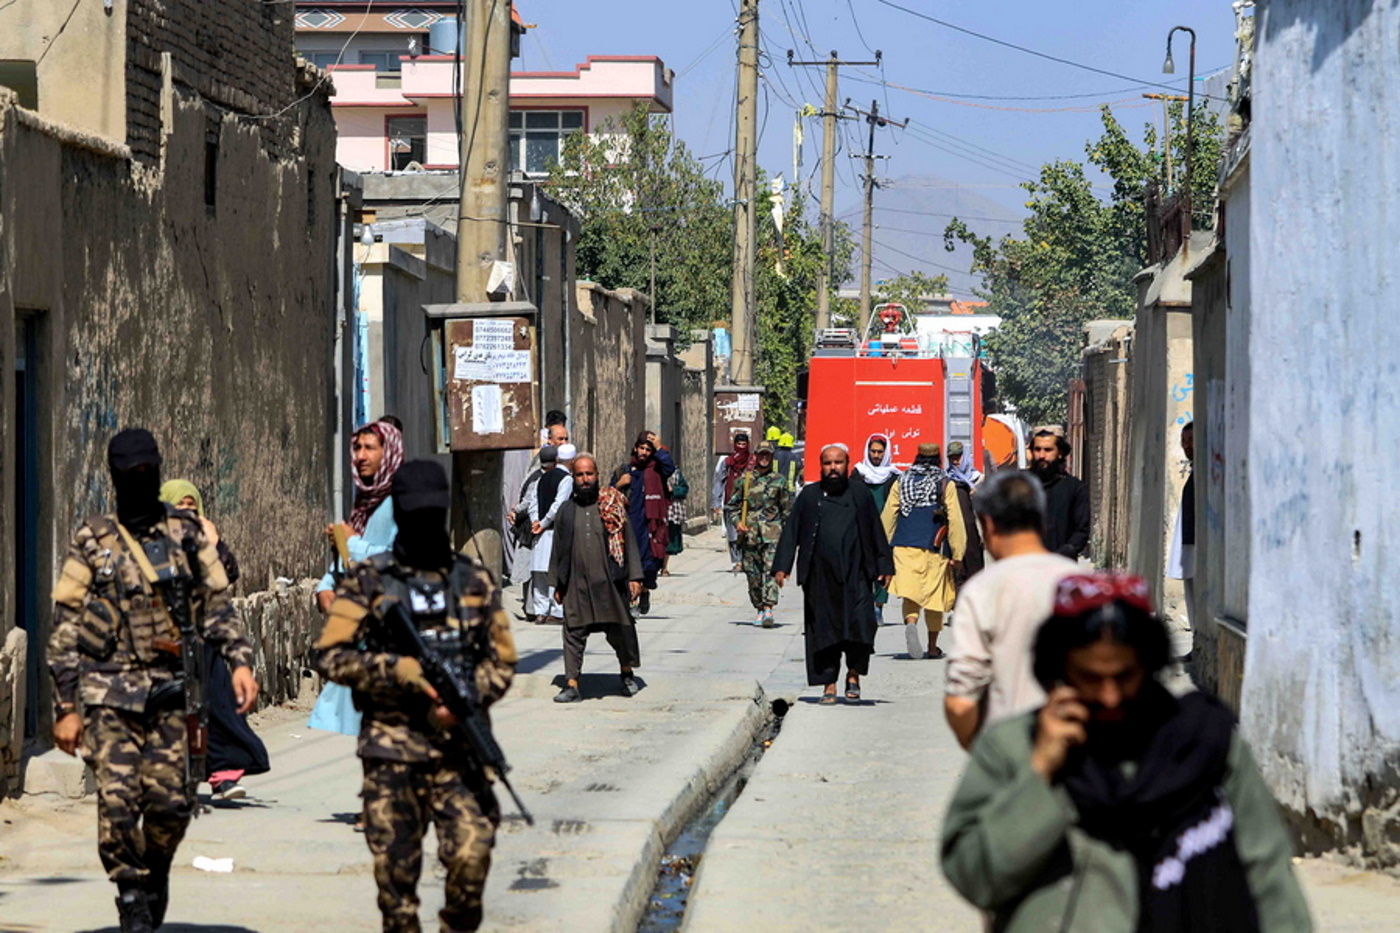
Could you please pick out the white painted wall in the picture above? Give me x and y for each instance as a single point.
(1321, 700)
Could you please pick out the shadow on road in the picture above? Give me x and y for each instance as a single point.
(598, 686)
(535, 660)
(185, 928)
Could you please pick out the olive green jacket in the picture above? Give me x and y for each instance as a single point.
(1011, 846)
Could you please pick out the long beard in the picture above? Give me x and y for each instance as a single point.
(1044, 471)
(834, 484)
(585, 495)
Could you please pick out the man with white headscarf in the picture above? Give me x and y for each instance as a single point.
(879, 474)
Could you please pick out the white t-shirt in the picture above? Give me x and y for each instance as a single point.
(999, 611)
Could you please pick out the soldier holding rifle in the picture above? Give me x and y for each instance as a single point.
(425, 741)
(139, 592)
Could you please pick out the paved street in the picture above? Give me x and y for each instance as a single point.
(837, 829)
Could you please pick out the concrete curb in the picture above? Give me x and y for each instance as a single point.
(684, 807)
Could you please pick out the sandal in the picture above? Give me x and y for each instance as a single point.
(828, 699)
(852, 690)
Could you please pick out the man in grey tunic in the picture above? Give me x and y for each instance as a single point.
(596, 572)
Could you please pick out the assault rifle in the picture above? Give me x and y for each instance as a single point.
(176, 590)
(454, 679)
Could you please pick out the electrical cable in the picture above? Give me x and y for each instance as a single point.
(1028, 51)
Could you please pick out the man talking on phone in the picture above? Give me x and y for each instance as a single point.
(1116, 806)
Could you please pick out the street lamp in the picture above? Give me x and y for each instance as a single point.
(1169, 67)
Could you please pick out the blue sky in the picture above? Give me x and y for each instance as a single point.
(983, 145)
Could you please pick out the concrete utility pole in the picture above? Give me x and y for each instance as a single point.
(825, 222)
(873, 118)
(743, 296)
(482, 229)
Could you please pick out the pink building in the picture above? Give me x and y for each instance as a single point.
(394, 104)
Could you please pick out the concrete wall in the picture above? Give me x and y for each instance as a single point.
(212, 325)
(1321, 698)
(410, 266)
(608, 371)
(1162, 397)
(1106, 368)
(81, 66)
(696, 439)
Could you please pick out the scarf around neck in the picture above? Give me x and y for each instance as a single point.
(962, 471)
(736, 463)
(612, 508)
(1171, 814)
(877, 474)
(919, 486)
(369, 496)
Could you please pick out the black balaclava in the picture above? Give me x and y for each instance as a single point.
(134, 462)
(421, 501)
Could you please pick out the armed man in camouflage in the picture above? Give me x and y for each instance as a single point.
(757, 509)
(415, 772)
(116, 648)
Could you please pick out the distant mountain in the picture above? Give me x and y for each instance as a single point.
(910, 215)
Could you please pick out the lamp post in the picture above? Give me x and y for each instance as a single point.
(1169, 67)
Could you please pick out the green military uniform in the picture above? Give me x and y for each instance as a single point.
(414, 773)
(768, 501)
(113, 643)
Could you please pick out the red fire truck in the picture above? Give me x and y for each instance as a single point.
(914, 388)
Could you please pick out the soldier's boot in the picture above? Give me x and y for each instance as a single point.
(134, 911)
(158, 894)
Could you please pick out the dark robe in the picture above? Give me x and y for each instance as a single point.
(594, 587)
(636, 493)
(974, 559)
(233, 745)
(1067, 515)
(840, 549)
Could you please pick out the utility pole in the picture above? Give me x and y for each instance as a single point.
(485, 113)
(482, 229)
(873, 118)
(1166, 100)
(825, 222)
(742, 292)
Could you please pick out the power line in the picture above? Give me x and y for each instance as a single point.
(897, 210)
(855, 21)
(1021, 48)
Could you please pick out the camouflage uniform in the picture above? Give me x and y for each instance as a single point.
(113, 641)
(770, 501)
(414, 772)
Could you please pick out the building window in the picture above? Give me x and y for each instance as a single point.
(537, 138)
(408, 142)
(384, 61)
(322, 59)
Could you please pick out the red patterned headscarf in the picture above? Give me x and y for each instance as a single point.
(1081, 592)
(369, 496)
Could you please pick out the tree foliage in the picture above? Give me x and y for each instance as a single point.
(636, 189)
(910, 289)
(1077, 256)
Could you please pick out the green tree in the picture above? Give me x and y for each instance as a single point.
(910, 288)
(638, 193)
(1076, 258)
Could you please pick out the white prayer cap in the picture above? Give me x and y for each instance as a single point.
(567, 452)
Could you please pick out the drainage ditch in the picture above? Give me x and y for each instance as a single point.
(670, 896)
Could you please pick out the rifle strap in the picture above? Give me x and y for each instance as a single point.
(138, 554)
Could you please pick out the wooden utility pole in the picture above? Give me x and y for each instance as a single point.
(743, 297)
(485, 112)
(1166, 100)
(482, 229)
(825, 222)
(873, 118)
